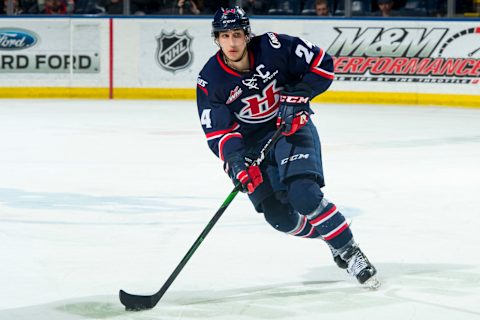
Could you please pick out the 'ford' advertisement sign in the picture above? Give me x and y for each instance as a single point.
(16, 39)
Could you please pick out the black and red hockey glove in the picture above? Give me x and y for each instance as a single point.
(248, 177)
(294, 110)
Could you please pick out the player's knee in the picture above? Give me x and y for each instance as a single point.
(304, 194)
(277, 214)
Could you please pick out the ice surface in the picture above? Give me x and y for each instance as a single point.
(96, 196)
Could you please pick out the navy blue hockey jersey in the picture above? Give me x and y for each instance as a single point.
(238, 109)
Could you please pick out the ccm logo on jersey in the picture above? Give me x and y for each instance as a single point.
(273, 40)
(295, 157)
(294, 99)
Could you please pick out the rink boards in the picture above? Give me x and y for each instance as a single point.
(376, 61)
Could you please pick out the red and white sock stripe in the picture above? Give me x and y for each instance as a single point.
(302, 222)
(335, 232)
(311, 233)
(315, 221)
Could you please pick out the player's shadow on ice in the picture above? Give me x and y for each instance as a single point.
(324, 287)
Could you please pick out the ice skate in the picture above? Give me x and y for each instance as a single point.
(360, 267)
(342, 264)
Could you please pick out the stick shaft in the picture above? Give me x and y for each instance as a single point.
(141, 302)
(197, 242)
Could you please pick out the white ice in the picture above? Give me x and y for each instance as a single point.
(97, 196)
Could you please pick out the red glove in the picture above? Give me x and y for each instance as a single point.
(292, 119)
(250, 178)
(293, 112)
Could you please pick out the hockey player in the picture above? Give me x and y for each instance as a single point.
(251, 86)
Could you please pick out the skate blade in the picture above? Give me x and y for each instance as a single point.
(373, 283)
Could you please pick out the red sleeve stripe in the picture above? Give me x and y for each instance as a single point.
(323, 73)
(224, 139)
(203, 89)
(315, 68)
(220, 133)
(335, 232)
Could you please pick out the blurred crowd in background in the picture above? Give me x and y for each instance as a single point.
(318, 8)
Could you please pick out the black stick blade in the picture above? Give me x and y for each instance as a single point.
(134, 302)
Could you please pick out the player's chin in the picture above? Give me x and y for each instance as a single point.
(233, 55)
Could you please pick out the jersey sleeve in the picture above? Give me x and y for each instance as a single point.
(309, 64)
(218, 123)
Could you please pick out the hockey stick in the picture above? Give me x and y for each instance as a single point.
(134, 302)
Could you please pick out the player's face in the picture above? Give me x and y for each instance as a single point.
(233, 43)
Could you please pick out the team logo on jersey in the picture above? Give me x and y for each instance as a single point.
(265, 76)
(234, 94)
(261, 108)
(273, 40)
(173, 51)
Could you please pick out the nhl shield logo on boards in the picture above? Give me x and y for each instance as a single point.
(173, 51)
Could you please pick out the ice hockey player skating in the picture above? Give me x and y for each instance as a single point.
(249, 88)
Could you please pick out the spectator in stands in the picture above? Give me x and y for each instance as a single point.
(29, 6)
(143, 7)
(168, 7)
(385, 8)
(211, 6)
(321, 8)
(259, 7)
(57, 7)
(16, 8)
(175, 7)
(88, 7)
(114, 7)
(187, 7)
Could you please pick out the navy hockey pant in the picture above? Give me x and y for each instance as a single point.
(291, 197)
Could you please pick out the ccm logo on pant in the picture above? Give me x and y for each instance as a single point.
(295, 157)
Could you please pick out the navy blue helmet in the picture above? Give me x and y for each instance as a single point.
(230, 19)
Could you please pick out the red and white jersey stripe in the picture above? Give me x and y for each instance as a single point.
(318, 70)
(223, 140)
(220, 133)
